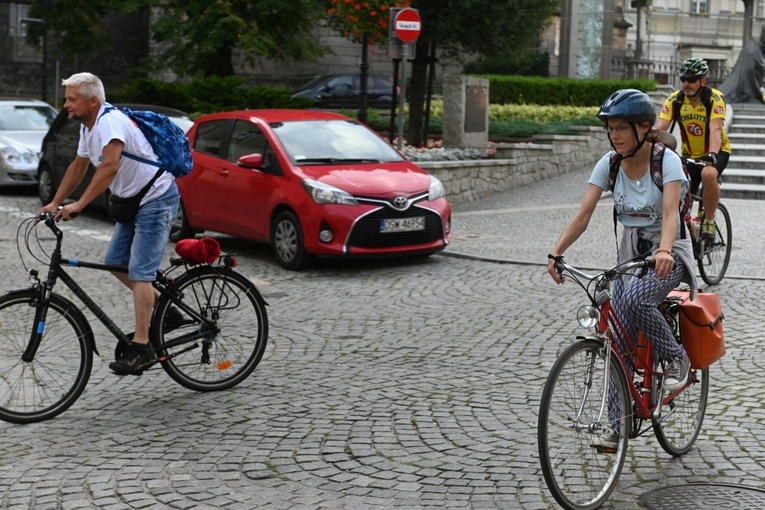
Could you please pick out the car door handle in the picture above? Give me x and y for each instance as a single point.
(223, 172)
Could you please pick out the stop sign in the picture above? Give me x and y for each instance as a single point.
(408, 25)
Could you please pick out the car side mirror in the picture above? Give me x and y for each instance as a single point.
(251, 161)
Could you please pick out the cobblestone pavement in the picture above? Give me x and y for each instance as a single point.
(385, 385)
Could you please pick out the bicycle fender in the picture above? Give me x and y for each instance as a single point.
(582, 338)
(71, 308)
(19, 291)
(258, 295)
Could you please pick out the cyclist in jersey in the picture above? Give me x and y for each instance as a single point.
(700, 115)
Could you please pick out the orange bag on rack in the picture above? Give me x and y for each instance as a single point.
(701, 327)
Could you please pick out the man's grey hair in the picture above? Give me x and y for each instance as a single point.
(89, 85)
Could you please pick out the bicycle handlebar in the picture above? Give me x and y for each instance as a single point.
(643, 265)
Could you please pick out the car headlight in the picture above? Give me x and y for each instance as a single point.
(588, 316)
(324, 194)
(436, 189)
(14, 158)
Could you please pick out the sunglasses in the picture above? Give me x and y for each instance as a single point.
(689, 80)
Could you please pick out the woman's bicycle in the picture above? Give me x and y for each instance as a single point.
(47, 344)
(600, 388)
(712, 255)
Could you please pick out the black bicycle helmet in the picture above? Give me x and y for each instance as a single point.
(628, 104)
(693, 67)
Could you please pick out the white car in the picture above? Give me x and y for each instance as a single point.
(23, 125)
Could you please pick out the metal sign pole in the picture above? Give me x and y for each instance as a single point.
(402, 98)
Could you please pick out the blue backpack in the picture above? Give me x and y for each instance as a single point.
(166, 138)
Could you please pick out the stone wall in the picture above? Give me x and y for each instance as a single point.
(519, 164)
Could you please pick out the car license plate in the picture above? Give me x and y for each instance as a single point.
(402, 225)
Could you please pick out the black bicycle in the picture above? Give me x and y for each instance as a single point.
(47, 344)
(712, 255)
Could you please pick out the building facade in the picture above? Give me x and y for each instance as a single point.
(616, 39)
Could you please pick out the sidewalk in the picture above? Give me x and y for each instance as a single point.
(522, 226)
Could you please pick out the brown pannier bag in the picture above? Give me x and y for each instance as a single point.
(701, 327)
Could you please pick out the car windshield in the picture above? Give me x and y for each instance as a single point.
(332, 141)
(26, 118)
(184, 122)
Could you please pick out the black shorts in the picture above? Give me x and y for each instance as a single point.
(695, 171)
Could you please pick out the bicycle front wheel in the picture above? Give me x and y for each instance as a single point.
(579, 407)
(46, 386)
(714, 254)
(680, 423)
(222, 352)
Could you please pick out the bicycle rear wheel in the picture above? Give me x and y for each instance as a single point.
(579, 474)
(229, 347)
(714, 254)
(57, 375)
(680, 423)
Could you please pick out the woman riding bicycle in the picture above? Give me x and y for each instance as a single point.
(651, 223)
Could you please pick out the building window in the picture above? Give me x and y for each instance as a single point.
(760, 12)
(698, 7)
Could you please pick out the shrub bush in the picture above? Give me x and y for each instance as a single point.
(530, 63)
(512, 113)
(206, 95)
(557, 91)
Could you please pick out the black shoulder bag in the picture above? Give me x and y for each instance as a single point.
(124, 210)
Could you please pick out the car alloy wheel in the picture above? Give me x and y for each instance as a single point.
(287, 241)
(46, 190)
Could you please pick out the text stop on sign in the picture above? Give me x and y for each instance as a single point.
(408, 25)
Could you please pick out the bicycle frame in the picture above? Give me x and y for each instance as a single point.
(638, 362)
(56, 272)
(643, 367)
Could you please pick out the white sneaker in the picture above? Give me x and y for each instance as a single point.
(676, 373)
(606, 444)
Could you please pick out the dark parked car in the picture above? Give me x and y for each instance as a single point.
(310, 184)
(344, 91)
(59, 148)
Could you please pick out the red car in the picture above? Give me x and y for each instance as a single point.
(311, 184)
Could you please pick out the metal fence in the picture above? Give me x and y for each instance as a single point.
(662, 71)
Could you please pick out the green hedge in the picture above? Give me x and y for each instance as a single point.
(528, 63)
(557, 91)
(206, 95)
(215, 94)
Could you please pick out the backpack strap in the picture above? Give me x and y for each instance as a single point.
(657, 166)
(706, 100)
(657, 159)
(676, 105)
(613, 172)
(142, 160)
(125, 153)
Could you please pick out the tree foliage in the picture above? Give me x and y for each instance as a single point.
(486, 27)
(76, 24)
(201, 36)
(460, 27)
(195, 37)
